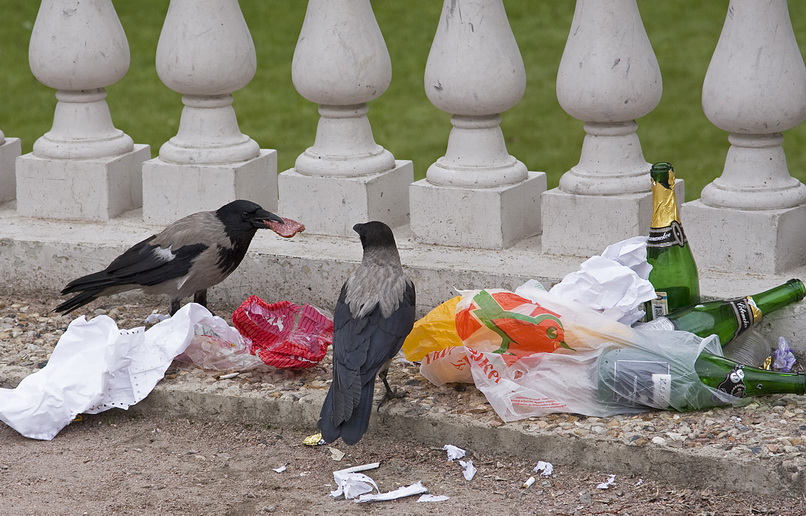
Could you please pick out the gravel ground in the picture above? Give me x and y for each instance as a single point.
(168, 466)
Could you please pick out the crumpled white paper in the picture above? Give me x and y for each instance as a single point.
(611, 480)
(614, 284)
(94, 367)
(355, 485)
(545, 469)
(352, 485)
(400, 492)
(454, 452)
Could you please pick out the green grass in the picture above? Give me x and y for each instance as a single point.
(538, 132)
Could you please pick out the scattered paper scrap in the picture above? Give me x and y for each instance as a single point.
(281, 468)
(433, 498)
(454, 452)
(362, 467)
(611, 479)
(336, 454)
(400, 492)
(468, 469)
(544, 468)
(352, 485)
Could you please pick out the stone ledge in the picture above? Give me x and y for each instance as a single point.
(44, 255)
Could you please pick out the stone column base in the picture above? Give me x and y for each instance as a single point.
(96, 189)
(758, 241)
(584, 225)
(172, 190)
(486, 218)
(333, 205)
(9, 152)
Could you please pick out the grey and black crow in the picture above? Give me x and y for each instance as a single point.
(373, 316)
(185, 259)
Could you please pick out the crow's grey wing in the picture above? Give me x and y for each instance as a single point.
(148, 264)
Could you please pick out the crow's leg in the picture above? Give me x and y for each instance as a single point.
(174, 306)
(201, 297)
(390, 393)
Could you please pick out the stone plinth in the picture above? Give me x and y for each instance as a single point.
(583, 225)
(88, 189)
(173, 190)
(9, 152)
(333, 205)
(744, 241)
(487, 218)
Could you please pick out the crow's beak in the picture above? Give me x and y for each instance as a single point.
(263, 216)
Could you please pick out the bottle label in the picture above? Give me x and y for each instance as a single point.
(647, 383)
(746, 313)
(662, 390)
(659, 305)
(667, 236)
(659, 324)
(733, 383)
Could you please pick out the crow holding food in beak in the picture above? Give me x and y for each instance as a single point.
(374, 314)
(185, 259)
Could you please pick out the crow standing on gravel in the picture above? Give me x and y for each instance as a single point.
(185, 259)
(374, 314)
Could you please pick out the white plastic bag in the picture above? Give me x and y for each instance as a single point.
(566, 379)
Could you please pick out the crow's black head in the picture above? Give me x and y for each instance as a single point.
(375, 234)
(242, 218)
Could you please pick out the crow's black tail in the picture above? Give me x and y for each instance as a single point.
(352, 430)
(77, 301)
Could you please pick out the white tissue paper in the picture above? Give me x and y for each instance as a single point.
(94, 367)
(614, 284)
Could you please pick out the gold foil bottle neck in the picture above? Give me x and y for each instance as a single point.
(664, 203)
(757, 314)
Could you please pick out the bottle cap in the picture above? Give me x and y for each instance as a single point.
(663, 173)
(798, 285)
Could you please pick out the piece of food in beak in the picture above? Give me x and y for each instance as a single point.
(287, 229)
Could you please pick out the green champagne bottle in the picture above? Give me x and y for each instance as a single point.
(674, 272)
(728, 318)
(635, 377)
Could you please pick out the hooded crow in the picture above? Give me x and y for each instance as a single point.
(186, 258)
(374, 314)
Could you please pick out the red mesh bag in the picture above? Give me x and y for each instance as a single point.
(283, 334)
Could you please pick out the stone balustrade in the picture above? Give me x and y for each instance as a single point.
(476, 195)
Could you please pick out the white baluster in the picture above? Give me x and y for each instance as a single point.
(475, 72)
(341, 63)
(83, 167)
(752, 216)
(608, 77)
(10, 149)
(205, 52)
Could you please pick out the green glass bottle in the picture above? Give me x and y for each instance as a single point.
(634, 377)
(674, 272)
(728, 318)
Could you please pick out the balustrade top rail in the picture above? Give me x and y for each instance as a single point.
(543, 99)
